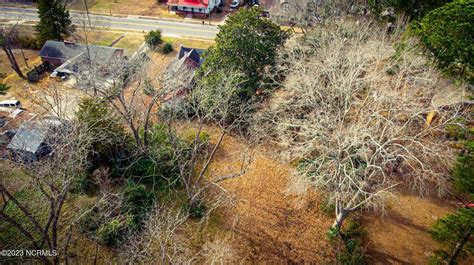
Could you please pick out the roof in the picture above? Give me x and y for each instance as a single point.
(187, 61)
(189, 3)
(67, 50)
(29, 137)
(60, 50)
(193, 53)
(10, 101)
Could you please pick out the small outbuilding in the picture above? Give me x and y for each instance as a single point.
(29, 143)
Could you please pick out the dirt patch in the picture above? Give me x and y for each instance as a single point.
(401, 236)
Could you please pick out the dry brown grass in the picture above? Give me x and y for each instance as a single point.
(267, 224)
(401, 236)
(143, 7)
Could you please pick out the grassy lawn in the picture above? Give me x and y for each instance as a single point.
(200, 44)
(114, 7)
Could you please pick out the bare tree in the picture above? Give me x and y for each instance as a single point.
(49, 180)
(356, 120)
(162, 241)
(307, 13)
(8, 38)
(207, 104)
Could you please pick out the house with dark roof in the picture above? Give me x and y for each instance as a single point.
(179, 75)
(201, 8)
(67, 56)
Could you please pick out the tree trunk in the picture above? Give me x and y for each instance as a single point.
(340, 217)
(457, 249)
(13, 62)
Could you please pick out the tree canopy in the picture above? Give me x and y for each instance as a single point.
(153, 38)
(448, 32)
(412, 8)
(55, 21)
(246, 43)
(454, 232)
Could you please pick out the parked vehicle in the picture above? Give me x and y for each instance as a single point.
(10, 104)
(235, 4)
(254, 3)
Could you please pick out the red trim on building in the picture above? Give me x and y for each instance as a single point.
(189, 3)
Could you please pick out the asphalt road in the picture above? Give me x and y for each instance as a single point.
(168, 28)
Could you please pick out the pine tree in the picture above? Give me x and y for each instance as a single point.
(454, 232)
(55, 21)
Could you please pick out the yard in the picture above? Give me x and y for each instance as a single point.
(150, 8)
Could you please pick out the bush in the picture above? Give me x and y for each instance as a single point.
(167, 48)
(448, 32)
(116, 231)
(350, 243)
(29, 42)
(83, 184)
(91, 221)
(4, 88)
(137, 201)
(458, 129)
(113, 227)
(464, 170)
(328, 207)
(110, 141)
(190, 135)
(153, 39)
(196, 209)
(158, 167)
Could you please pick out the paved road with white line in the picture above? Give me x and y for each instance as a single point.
(168, 28)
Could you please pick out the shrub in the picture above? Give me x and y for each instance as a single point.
(350, 244)
(196, 209)
(458, 130)
(109, 139)
(29, 42)
(137, 201)
(190, 135)
(167, 48)
(464, 170)
(83, 184)
(4, 88)
(153, 39)
(116, 231)
(448, 32)
(328, 207)
(91, 221)
(354, 253)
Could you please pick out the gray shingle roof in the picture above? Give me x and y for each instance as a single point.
(60, 50)
(195, 54)
(29, 137)
(66, 51)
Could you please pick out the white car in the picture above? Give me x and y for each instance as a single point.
(235, 4)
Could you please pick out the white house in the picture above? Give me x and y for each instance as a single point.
(196, 7)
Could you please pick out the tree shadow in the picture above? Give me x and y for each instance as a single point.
(378, 257)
